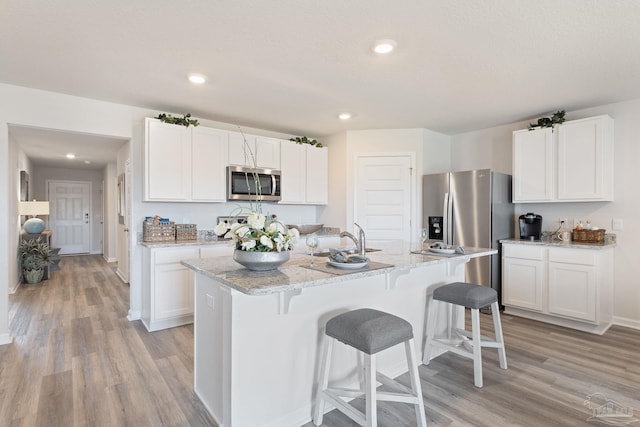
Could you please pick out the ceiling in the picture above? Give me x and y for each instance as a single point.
(293, 65)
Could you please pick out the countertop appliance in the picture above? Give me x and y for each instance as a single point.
(470, 208)
(245, 183)
(530, 226)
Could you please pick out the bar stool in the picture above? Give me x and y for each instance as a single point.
(369, 331)
(459, 341)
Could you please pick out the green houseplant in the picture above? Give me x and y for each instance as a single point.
(35, 256)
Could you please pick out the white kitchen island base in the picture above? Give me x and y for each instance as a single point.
(256, 355)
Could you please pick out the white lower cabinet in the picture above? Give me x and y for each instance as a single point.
(167, 285)
(565, 286)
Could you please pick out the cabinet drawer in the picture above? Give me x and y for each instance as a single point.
(572, 256)
(214, 251)
(524, 251)
(167, 256)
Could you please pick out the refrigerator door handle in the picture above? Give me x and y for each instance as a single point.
(450, 216)
(445, 219)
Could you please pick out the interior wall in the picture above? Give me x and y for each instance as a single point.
(495, 142)
(110, 220)
(335, 214)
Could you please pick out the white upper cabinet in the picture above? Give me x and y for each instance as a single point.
(167, 161)
(251, 150)
(571, 163)
(305, 173)
(533, 165)
(208, 163)
(585, 160)
(184, 164)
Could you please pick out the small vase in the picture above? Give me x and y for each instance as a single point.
(260, 261)
(33, 276)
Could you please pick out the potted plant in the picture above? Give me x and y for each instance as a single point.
(35, 256)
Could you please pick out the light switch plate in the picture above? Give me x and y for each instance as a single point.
(617, 224)
(209, 300)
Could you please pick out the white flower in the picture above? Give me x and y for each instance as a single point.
(249, 244)
(242, 230)
(256, 220)
(276, 226)
(266, 241)
(221, 228)
(281, 243)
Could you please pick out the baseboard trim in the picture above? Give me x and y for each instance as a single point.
(5, 339)
(15, 288)
(109, 259)
(627, 323)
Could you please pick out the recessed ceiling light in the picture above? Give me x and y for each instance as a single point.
(344, 116)
(385, 46)
(87, 162)
(197, 78)
(71, 156)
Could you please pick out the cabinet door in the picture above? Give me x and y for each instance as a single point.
(293, 164)
(523, 283)
(242, 149)
(533, 176)
(267, 152)
(317, 177)
(208, 162)
(167, 162)
(585, 160)
(173, 293)
(572, 291)
(215, 251)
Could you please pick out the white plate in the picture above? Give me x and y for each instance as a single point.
(348, 265)
(442, 251)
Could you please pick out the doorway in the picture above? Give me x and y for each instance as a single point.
(384, 189)
(70, 216)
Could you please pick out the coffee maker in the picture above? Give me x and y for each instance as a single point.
(530, 226)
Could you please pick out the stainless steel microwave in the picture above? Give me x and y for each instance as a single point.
(253, 184)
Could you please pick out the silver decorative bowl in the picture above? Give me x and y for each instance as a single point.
(306, 228)
(260, 261)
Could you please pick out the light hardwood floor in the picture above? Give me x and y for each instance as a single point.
(77, 361)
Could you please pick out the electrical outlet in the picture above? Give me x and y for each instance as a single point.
(617, 224)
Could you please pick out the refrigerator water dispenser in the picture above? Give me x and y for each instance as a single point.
(435, 227)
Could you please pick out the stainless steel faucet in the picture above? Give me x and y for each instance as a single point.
(361, 243)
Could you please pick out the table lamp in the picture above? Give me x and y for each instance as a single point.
(34, 225)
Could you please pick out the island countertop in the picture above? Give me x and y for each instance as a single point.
(295, 273)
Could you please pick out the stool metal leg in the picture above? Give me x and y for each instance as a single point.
(415, 382)
(477, 347)
(497, 327)
(432, 311)
(323, 382)
(370, 389)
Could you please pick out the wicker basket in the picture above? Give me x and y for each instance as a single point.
(588, 236)
(186, 232)
(152, 232)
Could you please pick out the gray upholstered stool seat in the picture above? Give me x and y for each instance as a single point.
(466, 295)
(369, 331)
(459, 341)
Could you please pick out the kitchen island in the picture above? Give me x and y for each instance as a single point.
(257, 334)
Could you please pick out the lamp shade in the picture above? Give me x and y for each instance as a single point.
(34, 225)
(34, 208)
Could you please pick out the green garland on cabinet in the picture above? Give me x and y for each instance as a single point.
(549, 122)
(305, 140)
(184, 121)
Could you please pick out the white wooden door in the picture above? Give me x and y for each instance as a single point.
(70, 216)
(383, 188)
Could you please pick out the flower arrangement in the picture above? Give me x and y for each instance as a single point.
(259, 234)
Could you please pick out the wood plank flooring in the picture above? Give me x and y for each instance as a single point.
(77, 361)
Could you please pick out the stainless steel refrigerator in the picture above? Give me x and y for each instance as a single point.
(470, 208)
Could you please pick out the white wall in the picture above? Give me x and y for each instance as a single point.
(491, 148)
(110, 185)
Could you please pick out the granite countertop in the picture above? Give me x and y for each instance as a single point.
(292, 276)
(560, 244)
(179, 243)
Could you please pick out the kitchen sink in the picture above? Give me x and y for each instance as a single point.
(347, 250)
